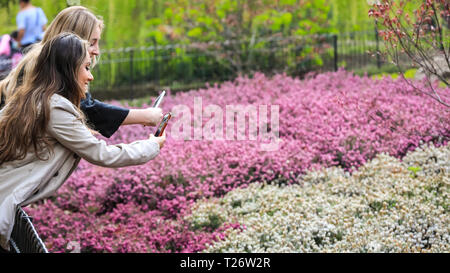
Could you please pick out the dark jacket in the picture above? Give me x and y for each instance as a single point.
(102, 117)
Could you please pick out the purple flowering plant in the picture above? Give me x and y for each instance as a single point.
(329, 119)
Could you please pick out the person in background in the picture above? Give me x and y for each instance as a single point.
(16, 53)
(43, 133)
(9, 44)
(15, 41)
(102, 117)
(10, 54)
(31, 23)
(5, 55)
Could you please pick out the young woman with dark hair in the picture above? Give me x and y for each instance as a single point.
(43, 132)
(103, 117)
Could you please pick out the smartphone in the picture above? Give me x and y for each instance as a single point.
(159, 99)
(163, 124)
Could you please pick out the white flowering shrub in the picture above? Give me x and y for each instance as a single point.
(388, 205)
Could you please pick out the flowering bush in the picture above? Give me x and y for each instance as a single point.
(421, 36)
(385, 206)
(332, 119)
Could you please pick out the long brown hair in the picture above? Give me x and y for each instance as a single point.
(24, 120)
(76, 19)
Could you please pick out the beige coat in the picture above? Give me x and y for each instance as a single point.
(25, 181)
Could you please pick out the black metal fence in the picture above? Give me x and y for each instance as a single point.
(133, 72)
(24, 238)
(359, 49)
(125, 72)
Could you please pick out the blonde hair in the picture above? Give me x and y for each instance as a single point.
(75, 19)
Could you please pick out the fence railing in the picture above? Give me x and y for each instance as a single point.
(24, 238)
(181, 67)
(185, 66)
(133, 72)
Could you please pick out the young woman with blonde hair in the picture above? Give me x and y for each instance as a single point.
(104, 118)
(43, 134)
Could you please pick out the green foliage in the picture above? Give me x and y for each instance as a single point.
(350, 15)
(258, 25)
(221, 20)
(414, 170)
(212, 223)
(376, 206)
(5, 3)
(140, 22)
(410, 73)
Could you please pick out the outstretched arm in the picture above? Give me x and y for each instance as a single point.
(20, 35)
(66, 127)
(106, 118)
(148, 116)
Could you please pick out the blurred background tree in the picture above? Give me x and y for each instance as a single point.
(185, 43)
(140, 22)
(5, 3)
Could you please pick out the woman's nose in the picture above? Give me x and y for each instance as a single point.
(90, 78)
(94, 51)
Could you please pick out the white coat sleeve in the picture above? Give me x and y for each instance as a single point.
(67, 128)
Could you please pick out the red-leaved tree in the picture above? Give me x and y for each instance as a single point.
(422, 36)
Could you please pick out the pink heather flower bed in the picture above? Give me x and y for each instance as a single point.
(327, 120)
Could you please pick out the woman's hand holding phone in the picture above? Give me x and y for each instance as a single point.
(160, 140)
(160, 137)
(162, 126)
(153, 115)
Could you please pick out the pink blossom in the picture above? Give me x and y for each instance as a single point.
(332, 119)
